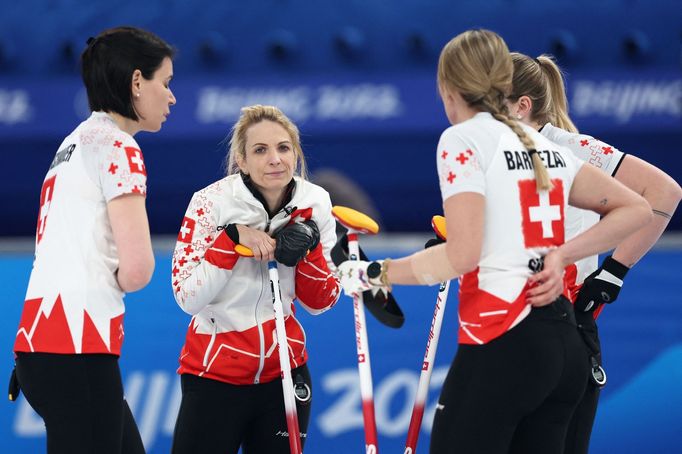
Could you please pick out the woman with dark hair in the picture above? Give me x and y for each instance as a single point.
(538, 99)
(93, 246)
(519, 369)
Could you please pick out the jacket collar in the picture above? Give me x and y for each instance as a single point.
(289, 193)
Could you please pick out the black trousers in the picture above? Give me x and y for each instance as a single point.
(580, 427)
(217, 417)
(80, 398)
(515, 394)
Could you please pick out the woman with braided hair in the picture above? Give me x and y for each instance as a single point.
(538, 99)
(519, 370)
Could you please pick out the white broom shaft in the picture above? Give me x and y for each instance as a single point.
(364, 367)
(427, 369)
(287, 383)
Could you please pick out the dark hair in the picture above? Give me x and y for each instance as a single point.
(108, 63)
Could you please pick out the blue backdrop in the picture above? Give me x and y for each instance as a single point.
(358, 77)
(640, 412)
(378, 129)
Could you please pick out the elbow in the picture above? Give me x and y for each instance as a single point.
(673, 194)
(467, 265)
(643, 213)
(188, 306)
(665, 195)
(315, 311)
(319, 301)
(136, 276)
(464, 259)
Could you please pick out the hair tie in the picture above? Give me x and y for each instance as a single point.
(532, 151)
(537, 60)
(90, 41)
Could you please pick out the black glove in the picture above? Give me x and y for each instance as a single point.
(602, 286)
(14, 388)
(316, 233)
(294, 241)
(433, 242)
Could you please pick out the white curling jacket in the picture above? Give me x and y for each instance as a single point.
(231, 337)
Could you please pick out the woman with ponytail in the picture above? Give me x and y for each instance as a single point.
(519, 370)
(538, 99)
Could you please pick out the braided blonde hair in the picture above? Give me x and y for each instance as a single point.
(478, 66)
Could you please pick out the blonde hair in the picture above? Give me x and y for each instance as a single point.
(252, 115)
(478, 66)
(542, 81)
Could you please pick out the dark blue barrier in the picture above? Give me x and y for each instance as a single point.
(45, 37)
(379, 130)
(641, 406)
(647, 101)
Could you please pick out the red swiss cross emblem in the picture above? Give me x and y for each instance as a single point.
(186, 230)
(135, 161)
(542, 214)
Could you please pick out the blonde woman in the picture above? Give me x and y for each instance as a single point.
(519, 369)
(538, 99)
(231, 387)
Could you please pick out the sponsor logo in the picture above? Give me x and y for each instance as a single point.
(623, 100)
(303, 102)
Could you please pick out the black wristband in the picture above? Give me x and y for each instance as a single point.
(232, 232)
(614, 267)
(374, 270)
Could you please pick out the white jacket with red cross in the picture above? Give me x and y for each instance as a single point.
(231, 337)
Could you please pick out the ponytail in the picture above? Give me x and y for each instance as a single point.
(558, 108)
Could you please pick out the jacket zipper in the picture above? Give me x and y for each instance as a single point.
(210, 343)
(261, 336)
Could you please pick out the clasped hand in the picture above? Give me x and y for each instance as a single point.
(356, 276)
(289, 245)
(547, 285)
(294, 242)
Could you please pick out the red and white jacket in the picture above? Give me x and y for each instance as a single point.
(231, 337)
